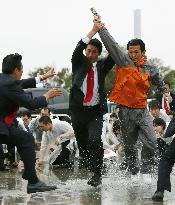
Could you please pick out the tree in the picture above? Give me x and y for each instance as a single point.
(169, 77)
(66, 77)
(110, 80)
(158, 63)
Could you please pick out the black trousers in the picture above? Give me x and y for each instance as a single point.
(87, 125)
(2, 157)
(165, 167)
(25, 144)
(162, 146)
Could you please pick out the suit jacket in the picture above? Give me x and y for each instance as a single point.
(80, 68)
(12, 96)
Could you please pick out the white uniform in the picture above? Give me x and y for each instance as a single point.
(62, 131)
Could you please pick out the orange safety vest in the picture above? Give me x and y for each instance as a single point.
(130, 88)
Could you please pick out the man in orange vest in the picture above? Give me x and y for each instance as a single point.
(133, 79)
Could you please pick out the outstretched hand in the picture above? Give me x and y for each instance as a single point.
(54, 92)
(49, 74)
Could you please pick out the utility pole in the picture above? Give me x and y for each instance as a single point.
(137, 23)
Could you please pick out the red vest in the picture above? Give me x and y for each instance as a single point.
(9, 119)
(131, 86)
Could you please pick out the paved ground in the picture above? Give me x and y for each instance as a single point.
(72, 189)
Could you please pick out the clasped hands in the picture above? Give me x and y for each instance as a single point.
(98, 25)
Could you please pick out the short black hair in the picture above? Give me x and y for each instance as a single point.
(45, 120)
(154, 104)
(66, 119)
(114, 115)
(26, 113)
(159, 122)
(136, 42)
(95, 42)
(44, 108)
(10, 62)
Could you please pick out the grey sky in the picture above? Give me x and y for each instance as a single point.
(46, 32)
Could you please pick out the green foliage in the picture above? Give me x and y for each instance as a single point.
(110, 80)
(170, 77)
(66, 75)
(40, 71)
(158, 63)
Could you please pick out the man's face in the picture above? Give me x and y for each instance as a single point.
(18, 73)
(155, 112)
(44, 113)
(45, 127)
(135, 53)
(158, 129)
(26, 120)
(167, 89)
(92, 53)
(112, 120)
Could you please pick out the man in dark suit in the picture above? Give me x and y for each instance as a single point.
(88, 102)
(165, 165)
(12, 96)
(166, 98)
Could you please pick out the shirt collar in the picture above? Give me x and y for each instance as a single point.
(94, 64)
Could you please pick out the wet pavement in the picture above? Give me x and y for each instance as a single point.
(117, 188)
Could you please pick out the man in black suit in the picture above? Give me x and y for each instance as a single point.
(12, 96)
(88, 102)
(165, 165)
(166, 98)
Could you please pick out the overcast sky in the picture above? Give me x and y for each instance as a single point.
(45, 32)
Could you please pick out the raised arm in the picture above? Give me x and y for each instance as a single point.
(67, 132)
(120, 58)
(31, 82)
(78, 55)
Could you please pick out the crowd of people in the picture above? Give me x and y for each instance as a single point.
(134, 126)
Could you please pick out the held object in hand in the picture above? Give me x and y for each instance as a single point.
(93, 10)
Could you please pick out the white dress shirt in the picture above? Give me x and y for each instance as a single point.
(95, 98)
(61, 130)
(163, 106)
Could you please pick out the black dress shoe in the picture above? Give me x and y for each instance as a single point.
(158, 196)
(39, 187)
(95, 181)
